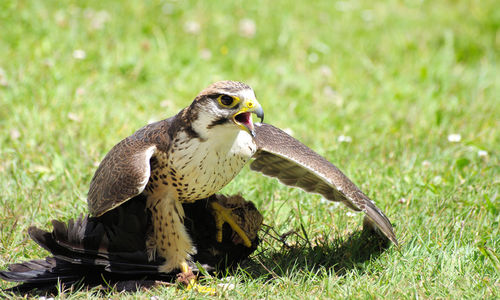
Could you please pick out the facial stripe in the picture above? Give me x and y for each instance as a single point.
(216, 122)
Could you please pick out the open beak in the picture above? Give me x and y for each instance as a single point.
(243, 117)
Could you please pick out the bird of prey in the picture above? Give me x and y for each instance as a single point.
(195, 153)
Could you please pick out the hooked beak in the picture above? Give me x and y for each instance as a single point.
(243, 117)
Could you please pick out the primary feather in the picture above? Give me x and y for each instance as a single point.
(293, 163)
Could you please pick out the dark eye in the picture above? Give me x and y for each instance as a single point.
(226, 100)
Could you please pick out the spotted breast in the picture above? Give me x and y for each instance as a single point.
(195, 168)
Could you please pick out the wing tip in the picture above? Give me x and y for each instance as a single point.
(377, 220)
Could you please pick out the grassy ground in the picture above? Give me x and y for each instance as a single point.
(402, 96)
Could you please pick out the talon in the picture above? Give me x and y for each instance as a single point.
(185, 267)
(222, 215)
(191, 283)
(186, 276)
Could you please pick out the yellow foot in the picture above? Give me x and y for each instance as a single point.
(192, 283)
(222, 215)
(202, 289)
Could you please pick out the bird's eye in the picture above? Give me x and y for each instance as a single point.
(226, 100)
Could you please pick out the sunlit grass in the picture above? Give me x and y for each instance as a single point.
(376, 87)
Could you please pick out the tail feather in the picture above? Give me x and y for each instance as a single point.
(40, 271)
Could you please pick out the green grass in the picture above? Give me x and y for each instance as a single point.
(398, 77)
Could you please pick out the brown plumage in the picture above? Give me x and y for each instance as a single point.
(124, 171)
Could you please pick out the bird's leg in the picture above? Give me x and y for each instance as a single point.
(221, 215)
(171, 239)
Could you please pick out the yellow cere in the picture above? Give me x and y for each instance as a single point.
(249, 104)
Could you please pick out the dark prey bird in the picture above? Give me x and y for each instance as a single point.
(111, 250)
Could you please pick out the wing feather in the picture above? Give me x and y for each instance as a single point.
(291, 162)
(124, 172)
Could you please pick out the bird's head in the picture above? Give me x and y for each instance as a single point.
(226, 103)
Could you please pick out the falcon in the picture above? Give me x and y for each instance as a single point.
(195, 153)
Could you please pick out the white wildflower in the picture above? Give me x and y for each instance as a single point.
(79, 54)
(192, 27)
(226, 286)
(15, 134)
(482, 153)
(205, 54)
(344, 139)
(74, 117)
(325, 71)
(350, 214)
(247, 28)
(454, 138)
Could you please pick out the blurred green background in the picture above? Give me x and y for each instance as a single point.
(403, 96)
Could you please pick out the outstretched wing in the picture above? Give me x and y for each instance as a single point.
(282, 156)
(124, 172)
